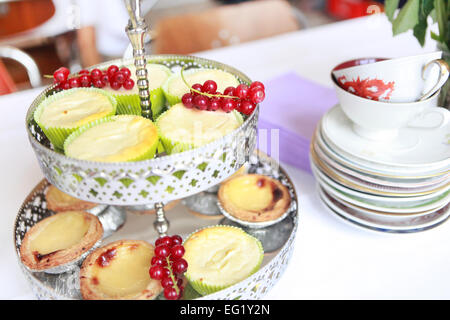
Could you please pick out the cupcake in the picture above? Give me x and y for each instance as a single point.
(119, 271)
(64, 112)
(60, 239)
(182, 129)
(174, 88)
(60, 201)
(114, 139)
(254, 198)
(128, 101)
(219, 257)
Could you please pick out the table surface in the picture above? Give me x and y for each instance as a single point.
(331, 259)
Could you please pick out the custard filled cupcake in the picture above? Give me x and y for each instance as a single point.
(114, 139)
(254, 198)
(174, 88)
(64, 112)
(60, 201)
(119, 271)
(181, 128)
(128, 101)
(219, 257)
(60, 239)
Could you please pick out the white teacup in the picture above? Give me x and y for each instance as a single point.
(405, 79)
(378, 120)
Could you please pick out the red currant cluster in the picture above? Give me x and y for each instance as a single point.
(168, 265)
(243, 98)
(115, 77)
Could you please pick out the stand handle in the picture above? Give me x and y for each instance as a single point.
(136, 31)
(161, 224)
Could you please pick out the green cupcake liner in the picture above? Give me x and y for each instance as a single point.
(204, 288)
(149, 154)
(56, 135)
(172, 146)
(131, 103)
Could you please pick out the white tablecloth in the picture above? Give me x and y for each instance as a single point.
(332, 259)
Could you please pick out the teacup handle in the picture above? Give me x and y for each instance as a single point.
(444, 113)
(444, 71)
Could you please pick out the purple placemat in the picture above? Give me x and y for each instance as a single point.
(289, 115)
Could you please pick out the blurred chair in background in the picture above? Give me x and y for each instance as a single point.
(7, 84)
(226, 25)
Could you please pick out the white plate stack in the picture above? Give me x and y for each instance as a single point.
(400, 185)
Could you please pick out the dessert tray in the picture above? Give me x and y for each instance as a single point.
(277, 240)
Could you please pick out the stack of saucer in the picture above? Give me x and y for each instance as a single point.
(400, 185)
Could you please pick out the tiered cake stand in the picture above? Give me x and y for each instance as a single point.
(149, 184)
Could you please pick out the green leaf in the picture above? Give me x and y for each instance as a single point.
(389, 8)
(441, 17)
(407, 18)
(420, 30)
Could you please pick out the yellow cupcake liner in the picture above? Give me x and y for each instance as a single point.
(131, 103)
(148, 154)
(171, 146)
(57, 135)
(203, 288)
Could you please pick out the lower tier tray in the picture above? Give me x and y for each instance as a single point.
(119, 223)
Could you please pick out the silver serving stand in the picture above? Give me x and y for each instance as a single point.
(151, 183)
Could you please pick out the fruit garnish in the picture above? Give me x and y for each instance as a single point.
(113, 76)
(243, 98)
(168, 265)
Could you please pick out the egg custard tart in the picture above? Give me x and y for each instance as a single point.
(60, 239)
(254, 198)
(60, 201)
(220, 256)
(119, 271)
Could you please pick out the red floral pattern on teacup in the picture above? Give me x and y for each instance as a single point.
(374, 89)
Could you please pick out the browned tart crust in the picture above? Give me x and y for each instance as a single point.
(102, 258)
(60, 201)
(278, 203)
(40, 262)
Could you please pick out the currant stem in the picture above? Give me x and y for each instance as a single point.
(175, 284)
(209, 95)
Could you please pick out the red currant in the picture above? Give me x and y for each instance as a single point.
(115, 85)
(74, 82)
(201, 102)
(256, 95)
(85, 80)
(241, 91)
(119, 77)
(210, 86)
(96, 74)
(257, 84)
(170, 293)
(187, 100)
(83, 71)
(214, 104)
(197, 87)
(166, 240)
(128, 84)
(179, 266)
(157, 272)
(228, 105)
(158, 261)
(162, 251)
(230, 91)
(98, 83)
(126, 72)
(112, 70)
(176, 239)
(177, 251)
(105, 78)
(167, 282)
(246, 107)
(61, 74)
(65, 85)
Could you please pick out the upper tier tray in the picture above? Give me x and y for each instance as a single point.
(161, 179)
